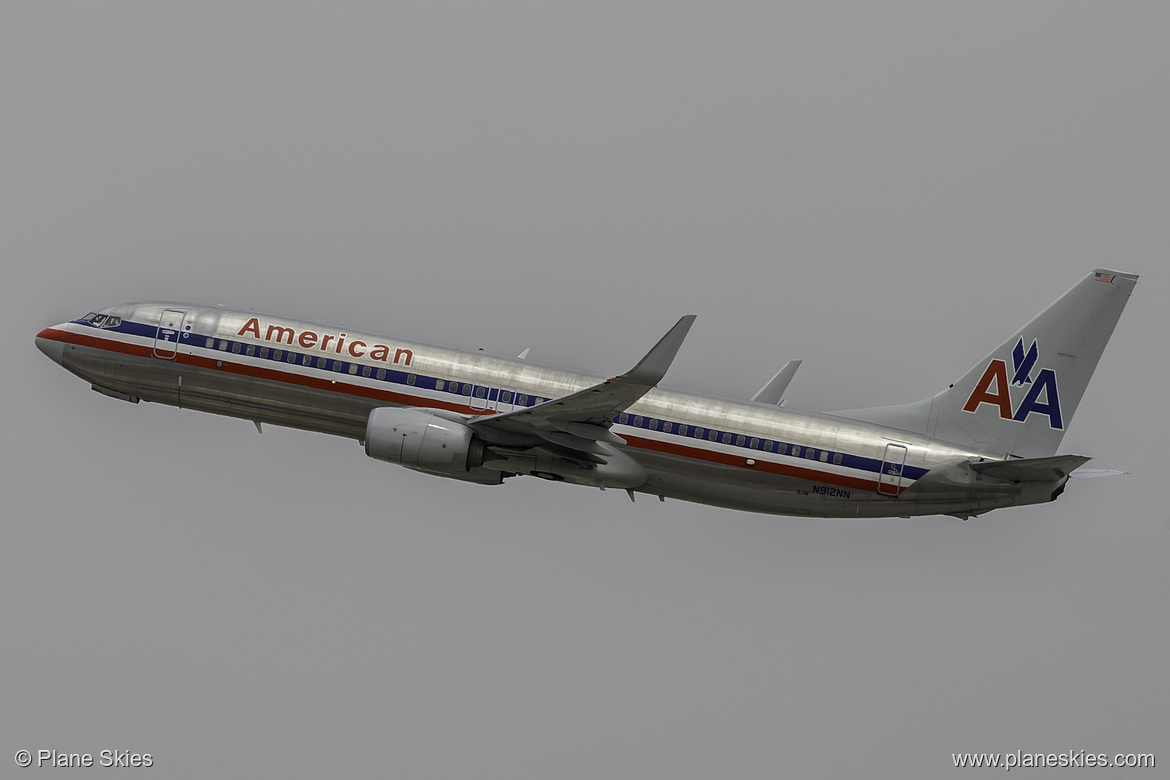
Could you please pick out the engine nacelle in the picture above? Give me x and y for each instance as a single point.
(422, 441)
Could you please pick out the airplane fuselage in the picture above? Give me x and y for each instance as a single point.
(742, 455)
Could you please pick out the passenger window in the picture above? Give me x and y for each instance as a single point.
(767, 446)
(837, 459)
(454, 387)
(780, 448)
(467, 388)
(365, 371)
(754, 443)
(638, 421)
(336, 365)
(522, 400)
(810, 453)
(381, 373)
(739, 440)
(439, 383)
(480, 391)
(505, 396)
(307, 360)
(698, 432)
(712, 435)
(653, 425)
(210, 343)
(824, 456)
(682, 430)
(263, 352)
(795, 451)
(353, 367)
(623, 418)
(726, 438)
(666, 427)
(223, 345)
(277, 354)
(292, 357)
(250, 350)
(236, 347)
(411, 379)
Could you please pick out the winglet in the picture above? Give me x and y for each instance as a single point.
(653, 367)
(773, 392)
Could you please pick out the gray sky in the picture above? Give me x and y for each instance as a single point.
(884, 190)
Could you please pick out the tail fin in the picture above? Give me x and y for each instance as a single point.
(1020, 399)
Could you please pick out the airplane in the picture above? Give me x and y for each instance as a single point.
(986, 441)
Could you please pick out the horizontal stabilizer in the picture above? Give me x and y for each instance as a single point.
(1050, 469)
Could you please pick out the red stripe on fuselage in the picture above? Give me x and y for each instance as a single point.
(694, 453)
(288, 377)
(728, 459)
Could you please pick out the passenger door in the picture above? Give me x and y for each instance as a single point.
(170, 330)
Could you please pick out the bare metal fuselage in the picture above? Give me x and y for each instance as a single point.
(741, 455)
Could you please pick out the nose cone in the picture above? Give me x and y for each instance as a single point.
(53, 348)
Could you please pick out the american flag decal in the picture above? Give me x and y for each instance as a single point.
(1100, 277)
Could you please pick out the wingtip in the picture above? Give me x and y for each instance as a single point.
(651, 368)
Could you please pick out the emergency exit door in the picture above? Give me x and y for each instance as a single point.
(890, 478)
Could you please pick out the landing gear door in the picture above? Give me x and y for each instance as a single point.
(890, 478)
(170, 330)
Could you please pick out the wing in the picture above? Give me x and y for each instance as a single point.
(575, 425)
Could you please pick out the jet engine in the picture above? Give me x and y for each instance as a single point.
(422, 441)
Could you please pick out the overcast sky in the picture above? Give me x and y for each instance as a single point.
(882, 190)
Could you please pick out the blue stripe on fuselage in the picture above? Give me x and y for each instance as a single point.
(333, 366)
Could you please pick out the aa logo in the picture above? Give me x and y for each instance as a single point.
(993, 388)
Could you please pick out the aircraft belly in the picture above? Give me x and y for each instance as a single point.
(96, 366)
(718, 484)
(734, 487)
(276, 403)
(234, 395)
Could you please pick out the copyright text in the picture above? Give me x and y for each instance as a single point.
(61, 759)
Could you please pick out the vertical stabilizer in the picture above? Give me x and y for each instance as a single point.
(1020, 399)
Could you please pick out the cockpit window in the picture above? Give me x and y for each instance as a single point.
(101, 320)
